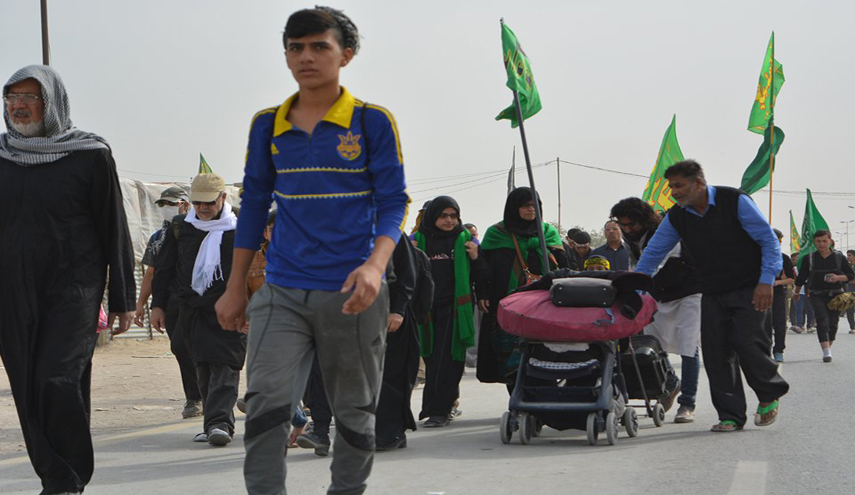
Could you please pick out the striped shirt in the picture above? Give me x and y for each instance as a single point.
(333, 193)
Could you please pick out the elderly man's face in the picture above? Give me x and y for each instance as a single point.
(27, 118)
(209, 210)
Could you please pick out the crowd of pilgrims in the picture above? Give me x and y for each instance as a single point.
(445, 283)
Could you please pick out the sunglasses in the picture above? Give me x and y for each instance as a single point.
(206, 203)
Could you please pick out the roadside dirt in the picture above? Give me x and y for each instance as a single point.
(135, 384)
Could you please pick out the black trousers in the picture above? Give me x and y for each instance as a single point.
(775, 321)
(49, 364)
(442, 374)
(400, 369)
(317, 401)
(732, 337)
(218, 384)
(826, 319)
(178, 346)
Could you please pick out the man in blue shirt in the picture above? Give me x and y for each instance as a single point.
(738, 258)
(613, 250)
(333, 164)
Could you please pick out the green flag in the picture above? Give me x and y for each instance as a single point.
(520, 79)
(204, 168)
(658, 193)
(756, 176)
(767, 90)
(813, 221)
(794, 236)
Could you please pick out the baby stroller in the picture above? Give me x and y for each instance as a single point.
(570, 372)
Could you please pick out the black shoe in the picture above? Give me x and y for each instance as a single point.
(312, 440)
(436, 422)
(398, 443)
(192, 409)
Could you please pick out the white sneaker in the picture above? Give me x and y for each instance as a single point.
(684, 415)
(201, 437)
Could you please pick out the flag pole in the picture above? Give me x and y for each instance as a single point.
(558, 183)
(771, 125)
(538, 214)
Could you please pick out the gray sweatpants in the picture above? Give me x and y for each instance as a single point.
(288, 326)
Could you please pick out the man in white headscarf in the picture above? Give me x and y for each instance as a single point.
(62, 232)
(191, 270)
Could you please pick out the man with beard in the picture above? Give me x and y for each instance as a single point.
(63, 230)
(738, 257)
(677, 290)
(192, 270)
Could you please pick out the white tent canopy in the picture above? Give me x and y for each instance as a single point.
(144, 217)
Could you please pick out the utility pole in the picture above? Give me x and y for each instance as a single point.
(45, 40)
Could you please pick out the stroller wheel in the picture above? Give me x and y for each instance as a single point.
(658, 415)
(630, 422)
(611, 428)
(591, 428)
(506, 428)
(526, 422)
(538, 428)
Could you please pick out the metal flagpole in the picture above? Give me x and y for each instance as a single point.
(45, 41)
(771, 126)
(538, 214)
(558, 171)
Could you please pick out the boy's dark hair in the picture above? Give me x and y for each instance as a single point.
(821, 232)
(468, 225)
(688, 169)
(850, 251)
(318, 20)
(637, 210)
(778, 233)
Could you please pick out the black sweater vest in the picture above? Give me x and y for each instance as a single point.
(726, 256)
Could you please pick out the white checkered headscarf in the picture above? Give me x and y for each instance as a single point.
(61, 137)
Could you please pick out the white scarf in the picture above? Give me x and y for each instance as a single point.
(207, 267)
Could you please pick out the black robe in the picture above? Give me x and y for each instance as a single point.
(401, 364)
(494, 344)
(62, 229)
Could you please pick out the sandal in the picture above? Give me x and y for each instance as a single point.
(767, 414)
(726, 426)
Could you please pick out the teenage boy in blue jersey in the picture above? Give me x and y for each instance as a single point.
(333, 165)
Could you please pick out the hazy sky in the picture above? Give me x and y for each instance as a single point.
(165, 80)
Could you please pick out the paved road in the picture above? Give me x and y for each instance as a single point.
(808, 451)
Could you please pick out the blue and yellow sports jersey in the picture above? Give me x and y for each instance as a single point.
(335, 189)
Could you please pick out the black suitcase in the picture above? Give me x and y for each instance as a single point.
(652, 365)
(581, 292)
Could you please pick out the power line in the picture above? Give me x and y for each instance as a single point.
(186, 177)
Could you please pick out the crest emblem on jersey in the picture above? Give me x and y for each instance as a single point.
(349, 148)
